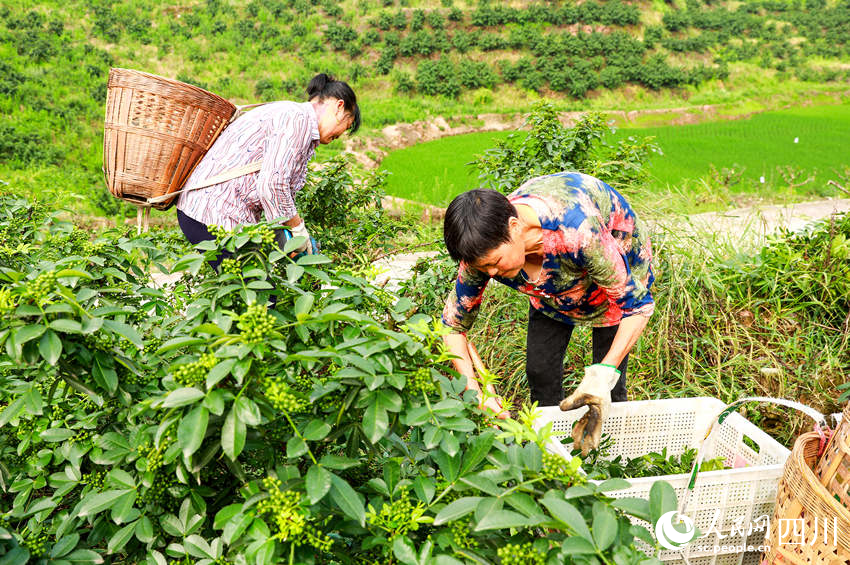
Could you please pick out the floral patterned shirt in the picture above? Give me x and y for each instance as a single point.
(597, 257)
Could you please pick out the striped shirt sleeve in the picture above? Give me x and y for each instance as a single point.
(284, 167)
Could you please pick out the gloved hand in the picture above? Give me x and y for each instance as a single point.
(594, 391)
(309, 247)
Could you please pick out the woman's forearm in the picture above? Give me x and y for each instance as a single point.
(625, 339)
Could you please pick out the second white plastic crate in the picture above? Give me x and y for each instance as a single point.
(737, 496)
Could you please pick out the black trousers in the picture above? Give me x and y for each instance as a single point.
(544, 364)
(196, 232)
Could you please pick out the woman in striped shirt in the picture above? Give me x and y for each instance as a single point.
(284, 135)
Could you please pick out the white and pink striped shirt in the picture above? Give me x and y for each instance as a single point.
(284, 135)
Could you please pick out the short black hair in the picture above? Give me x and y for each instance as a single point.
(476, 223)
(325, 86)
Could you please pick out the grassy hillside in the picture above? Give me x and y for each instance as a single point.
(407, 59)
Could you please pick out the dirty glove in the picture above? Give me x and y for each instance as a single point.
(594, 391)
(309, 247)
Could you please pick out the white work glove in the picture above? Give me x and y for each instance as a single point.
(307, 246)
(594, 391)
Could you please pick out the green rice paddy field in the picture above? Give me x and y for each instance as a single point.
(813, 139)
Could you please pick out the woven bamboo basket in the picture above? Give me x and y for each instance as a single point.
(833, 468)
(809, 525)
(156, 132)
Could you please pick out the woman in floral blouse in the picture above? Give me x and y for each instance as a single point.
(577, 249)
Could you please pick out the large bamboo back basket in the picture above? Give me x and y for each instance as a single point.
(805, 506)
(833, 468)
(156, 132)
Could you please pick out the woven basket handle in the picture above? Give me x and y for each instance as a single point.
(820, 426)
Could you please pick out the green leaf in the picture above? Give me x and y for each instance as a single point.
(84, 556)
(220, 371)
(604, 525)
(66, 325)
(247, 411)
(637, 507)
(225, 515)
(72, 273)
(295, 447)
(64, 545)
(144, 530)
(12, 410)
(575, 545)
(457, 509)
(613, 484)
(50, 347)
(178, 342)
(120, 538)
(501, 520)
(303, 305)
(125, 331)
(192, 430)
(338, 462)
(182, 397)
(566, 513)
(404, 551)
(662, 499)
(104, 373)
(313, 260)
(477, 450)
(316, 430)
(318, 482)
(99, 501)
(293, 272)
(17, 556)
(27, 333)
(347, 500)
(57, 434)
(214, 402)
(375, 422)
(233, 435)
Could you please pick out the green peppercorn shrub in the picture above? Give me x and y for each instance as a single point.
(549, 147)
(202, 424)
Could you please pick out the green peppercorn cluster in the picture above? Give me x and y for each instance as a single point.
(101, 340)
(256, 323)
(232, 266)
(289, 518)
(282, 397)
(556, 468)
(153, 455)
(397, 517)
(520, 554)
(81, 437)
(157, 493)
(195, 373)
(460, 534)
(36, 544)
(40, 288)
(152, 344)
(265, 232)
(421, 381)
(94, 479)
(218, 232)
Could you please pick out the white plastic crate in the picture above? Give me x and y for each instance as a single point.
(741, 495)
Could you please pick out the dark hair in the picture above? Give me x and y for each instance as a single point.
(324, 86)
(476, 223)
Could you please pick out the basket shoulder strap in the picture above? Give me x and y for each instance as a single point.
(227, 175)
